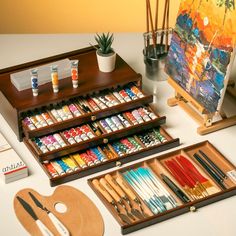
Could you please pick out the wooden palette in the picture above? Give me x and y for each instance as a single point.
(81, 216)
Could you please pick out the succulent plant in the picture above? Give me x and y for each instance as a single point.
(104, 42)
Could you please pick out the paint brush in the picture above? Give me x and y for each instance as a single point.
(145, 198)
(202, 182)
(179, 179)
(167, 26)
(157, 184)
(217, 168)
(147, 25)
(162, 198)
(181, 195)
(211, 171)
(152, 29)
(164, 20)
(152, 196)
(156, 15)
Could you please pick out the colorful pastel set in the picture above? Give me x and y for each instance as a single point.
(87, 132)
(166, 186)
(79, 106)
(97, 155)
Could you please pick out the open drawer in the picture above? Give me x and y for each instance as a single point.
(160, 188)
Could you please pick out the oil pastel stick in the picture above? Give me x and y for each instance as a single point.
(75, 135)
(57, 167)
(47, 143)
(68, 137)
(53, 141)
(79, 160)
(64, 166)
(59, 140)
(74, 110)
(41, 145)
(29, 123)
(47, 117)
(52, 171)
(68, 161)
(118, 96)
(67, 111)
(136, 91)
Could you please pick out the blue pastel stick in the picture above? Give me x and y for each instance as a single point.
(64, 166)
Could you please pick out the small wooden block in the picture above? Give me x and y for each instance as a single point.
(172, 102)
(81, 217)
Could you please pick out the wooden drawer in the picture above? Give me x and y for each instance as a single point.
(157, 166)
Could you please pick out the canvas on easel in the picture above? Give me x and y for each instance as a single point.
(200, 59)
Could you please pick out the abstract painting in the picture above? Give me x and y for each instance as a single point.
(202, 49)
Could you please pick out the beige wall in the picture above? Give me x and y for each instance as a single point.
(74, 16)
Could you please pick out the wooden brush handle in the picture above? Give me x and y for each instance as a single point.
(115, 185)
(126, 188)
(102, 190)
(110, 190)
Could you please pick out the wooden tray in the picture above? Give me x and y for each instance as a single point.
(156, 164)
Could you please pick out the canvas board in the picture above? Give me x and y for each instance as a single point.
(202, 50)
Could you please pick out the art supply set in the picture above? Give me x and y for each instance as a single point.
(166, 186)
(41, 215)
(104, 122)
(92, 121)
(96, 156)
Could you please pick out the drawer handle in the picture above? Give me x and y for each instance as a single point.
(105, 140)
(193, 209)
(93, 118)
(118, 164)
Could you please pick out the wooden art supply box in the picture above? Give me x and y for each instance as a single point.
(14, 103)
(157, 167)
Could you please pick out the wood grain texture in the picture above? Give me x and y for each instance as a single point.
(81, 218)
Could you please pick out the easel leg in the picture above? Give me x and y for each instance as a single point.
(174, 101)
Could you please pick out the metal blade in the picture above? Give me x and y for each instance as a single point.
(125, 218)
(27, 207)
(36, 201)
(137, 213)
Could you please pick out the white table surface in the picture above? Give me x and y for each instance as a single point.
(217, 219)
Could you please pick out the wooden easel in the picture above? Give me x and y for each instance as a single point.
(203, 117)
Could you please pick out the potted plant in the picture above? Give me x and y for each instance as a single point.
(106, 56)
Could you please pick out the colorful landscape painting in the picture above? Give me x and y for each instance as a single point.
(202, 47)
